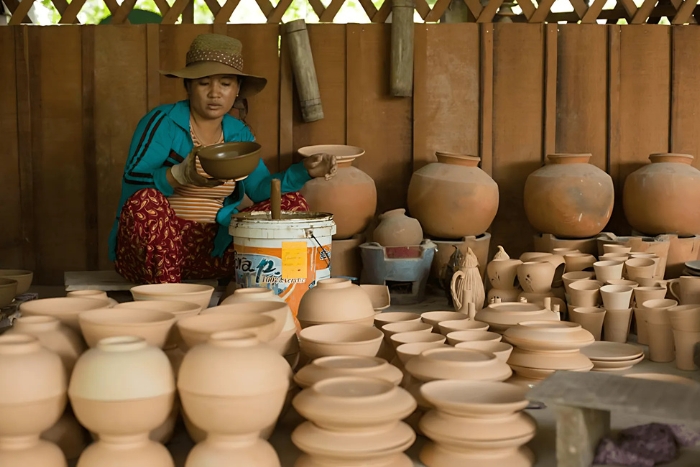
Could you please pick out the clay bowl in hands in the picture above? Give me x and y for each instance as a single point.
(22, 276)
(479, 399)
(197, 329)
(230, 161)
(151, 325)
(8, 291)
(66, 309)
(194, 293)
(340, 339)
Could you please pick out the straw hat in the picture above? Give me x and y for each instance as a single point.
(216, 54)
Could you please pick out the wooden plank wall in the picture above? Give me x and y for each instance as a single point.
(510, 93)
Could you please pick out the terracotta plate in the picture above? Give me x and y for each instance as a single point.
(612, 351)
(616, 365)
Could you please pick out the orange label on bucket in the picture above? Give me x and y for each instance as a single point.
(294, 260)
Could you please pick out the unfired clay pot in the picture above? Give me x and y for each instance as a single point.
(660, 197)
(569, 197)
(453, 197)
(122, 389)
(397, 229)
(335, 300)
(224, 393)
(351, 195)
(34, 396)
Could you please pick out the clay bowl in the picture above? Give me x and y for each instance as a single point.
(456, 337)
(94, 294)
(452, 363)
(436, 317)
(178, 308)
(405, 352)
(574, 276)
(406, 326)
(415, 336)
(197, 329)
(151, 325)
(381, 319)
(340, 339)
(279, 311)
(501, 350)
(548, 336)
(193, 293)
(66, 309)
(378, 295)
(347, 365)
(447, 327)
(230, 161)
(22, 276)
(479, 399)
(8, 291)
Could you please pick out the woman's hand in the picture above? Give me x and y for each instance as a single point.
(321, 165)
(185, 173)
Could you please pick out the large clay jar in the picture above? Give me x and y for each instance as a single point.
(335, 300)
(662, 197)
(122, 389)
(34, 396)
(233, 387)
(453, 198)
(569, 197)
(351, 195)
(397, 229)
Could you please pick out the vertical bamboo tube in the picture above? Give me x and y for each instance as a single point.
(402, 48)
(276, 198)
(304, 71)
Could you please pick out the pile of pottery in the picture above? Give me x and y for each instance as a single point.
(476, 423)
(543, 347)
(613, 356)
(13, 282)
(501, 316)
(353, 421)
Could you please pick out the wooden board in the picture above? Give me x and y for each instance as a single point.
(329, 52)
(582, 91)
(11, 205)
(518, 82)
(446, 95)
(121, 89)
(685, 92)
(644, 103)
(58, 158)
(376, 121)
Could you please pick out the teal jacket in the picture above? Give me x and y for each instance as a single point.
(162, 139)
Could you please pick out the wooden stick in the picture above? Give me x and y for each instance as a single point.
(276, 198)
(402, 48)
(304, 70)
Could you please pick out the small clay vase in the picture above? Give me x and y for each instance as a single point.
(616, 297)
(34, 397)
(397, 229)
(616, 326)
(660, 333)
(590, 318)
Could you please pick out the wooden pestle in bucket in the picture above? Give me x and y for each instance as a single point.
(276, 199)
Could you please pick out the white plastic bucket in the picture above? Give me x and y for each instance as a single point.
(288, 255)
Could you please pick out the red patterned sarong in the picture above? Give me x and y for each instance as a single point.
(155, 246)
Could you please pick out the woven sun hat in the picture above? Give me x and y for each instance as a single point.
(216, 54)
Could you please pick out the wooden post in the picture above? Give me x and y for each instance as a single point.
(276, 198)
(402, 48)
(578, 432)
(304, 70)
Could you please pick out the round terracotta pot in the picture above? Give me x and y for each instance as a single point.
(351, 195)
(578, 196)
(453, 197)
(397, 229)
(335, 300)
(660, 197)
(34, 396)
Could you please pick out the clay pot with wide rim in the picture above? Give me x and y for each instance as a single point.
(659, 197)
(578, 197)
(34, 396)
(453, 197)
(397, 229)
(351, 195)
(224, 393)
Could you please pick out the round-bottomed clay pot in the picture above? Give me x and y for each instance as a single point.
(34, 397)
(340, 339)
(122, 389)
(66, 309)
(397, 229)
(351, 195)
(658, 198)
(453, 197)
(579, 197)
(224, 393)
(335, 300)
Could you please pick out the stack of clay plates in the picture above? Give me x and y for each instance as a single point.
(543, 347)
(692, 268)
(613, 356)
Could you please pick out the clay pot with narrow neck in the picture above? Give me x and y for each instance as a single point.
(453, 198)
(351, 195)
(397, 229)
(661, 197)
(34, 396)
(569, 197)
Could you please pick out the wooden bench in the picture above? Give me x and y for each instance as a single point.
(583, 402)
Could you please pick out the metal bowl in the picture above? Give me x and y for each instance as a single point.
(230, 161)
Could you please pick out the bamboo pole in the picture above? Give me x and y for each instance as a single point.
(304, 71)
(402, 48)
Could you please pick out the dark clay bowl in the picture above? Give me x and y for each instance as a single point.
(230, 161)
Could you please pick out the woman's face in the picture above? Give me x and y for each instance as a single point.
(212, 97)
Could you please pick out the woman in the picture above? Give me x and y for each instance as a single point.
(173, 219)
